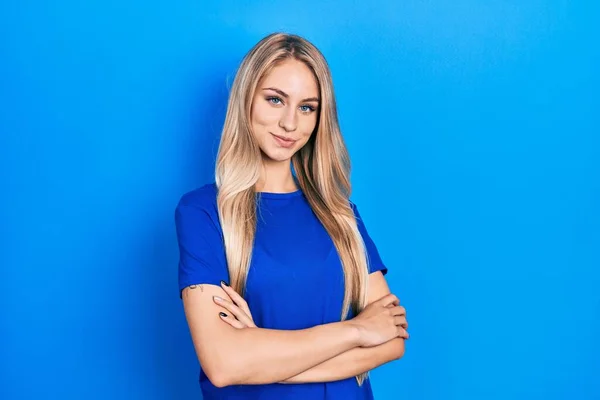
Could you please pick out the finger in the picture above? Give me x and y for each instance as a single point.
(398, 310)
(237, 299)
(401, 321)
(389, 299)
(234, 310)
(403, 333)
(231, 321)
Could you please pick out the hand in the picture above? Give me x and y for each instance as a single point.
(238, 314)
(381, 321)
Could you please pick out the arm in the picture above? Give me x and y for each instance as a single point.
(352, 363)
(257, 356)
(357, 360)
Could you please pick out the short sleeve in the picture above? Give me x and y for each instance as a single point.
(202, 257)
(373, 258)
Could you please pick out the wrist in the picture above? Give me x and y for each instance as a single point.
(354, 332)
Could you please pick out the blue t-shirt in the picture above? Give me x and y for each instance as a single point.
(295, 279)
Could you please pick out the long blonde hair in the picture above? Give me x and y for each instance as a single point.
(322, 168)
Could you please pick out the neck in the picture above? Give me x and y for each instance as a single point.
(276, 177)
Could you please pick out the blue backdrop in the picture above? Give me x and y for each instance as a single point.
(474, 133)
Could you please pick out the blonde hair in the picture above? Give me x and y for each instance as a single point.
(322, 168)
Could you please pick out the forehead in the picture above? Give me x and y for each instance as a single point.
(293, 77)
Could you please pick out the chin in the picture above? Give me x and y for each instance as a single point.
(279, 155)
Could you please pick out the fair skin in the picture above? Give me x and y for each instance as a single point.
(286, 105)
(348, 364)
(230, 348)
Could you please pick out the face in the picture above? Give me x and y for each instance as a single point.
(284, 110)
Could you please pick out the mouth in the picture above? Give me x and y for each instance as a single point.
(283, 142)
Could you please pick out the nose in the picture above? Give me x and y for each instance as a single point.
(288, 120)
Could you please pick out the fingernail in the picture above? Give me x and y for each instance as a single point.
(217, 298)
(224, 283)
(222, 314)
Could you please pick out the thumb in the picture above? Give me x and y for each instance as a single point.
(389, 299)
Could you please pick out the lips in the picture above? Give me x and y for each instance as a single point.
(283, 138)
(283, 142)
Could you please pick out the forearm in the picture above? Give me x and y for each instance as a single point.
(262, 356)
(351, 363)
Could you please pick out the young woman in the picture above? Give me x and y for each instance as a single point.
(283, 289)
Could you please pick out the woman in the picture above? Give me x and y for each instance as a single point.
(283, 289)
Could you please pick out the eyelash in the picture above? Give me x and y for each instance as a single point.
(310, 108)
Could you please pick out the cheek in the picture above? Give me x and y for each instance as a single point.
(263, 114)
(308, 126)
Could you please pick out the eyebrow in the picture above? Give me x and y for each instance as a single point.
(284, 94)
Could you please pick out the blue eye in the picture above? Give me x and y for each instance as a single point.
(307, 109)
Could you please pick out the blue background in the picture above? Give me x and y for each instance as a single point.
(474, 133)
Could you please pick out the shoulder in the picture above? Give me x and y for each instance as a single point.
(357, 216)
(203, 197)
(198, 206)
(354, 209)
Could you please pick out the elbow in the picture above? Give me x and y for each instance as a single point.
(227, 375)
(225, 365)
(219, 377)
(220, 381)
(220, 373)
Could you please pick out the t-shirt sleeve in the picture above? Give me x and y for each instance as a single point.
(202, 257)
(373, 258)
